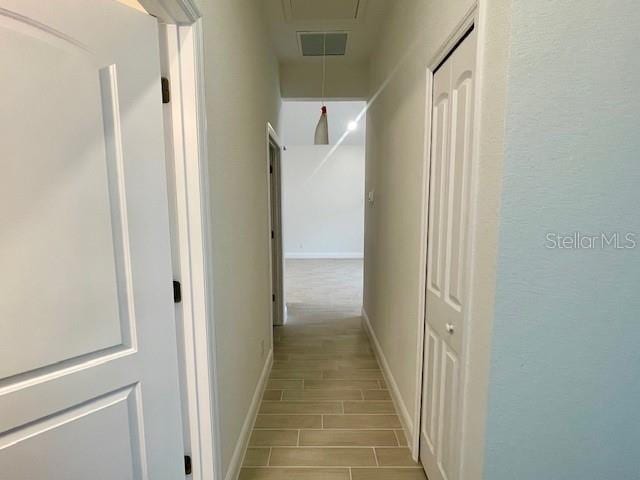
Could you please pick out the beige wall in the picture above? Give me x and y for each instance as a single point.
(395, 155)
(303, 80)
(413, 34)
(242, 94)
(133, 4)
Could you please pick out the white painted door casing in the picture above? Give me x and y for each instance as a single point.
(276, 243)
(447, 263)
(88, 370)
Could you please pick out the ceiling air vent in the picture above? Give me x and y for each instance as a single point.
(312, 44)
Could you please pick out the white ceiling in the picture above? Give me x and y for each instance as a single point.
(360, 18)
(298, 122)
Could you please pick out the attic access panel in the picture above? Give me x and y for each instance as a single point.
(315, 10)
(312, 44)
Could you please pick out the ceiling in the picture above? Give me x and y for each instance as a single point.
(361, 19)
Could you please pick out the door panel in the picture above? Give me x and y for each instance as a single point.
(431, 401)
(438, 199)
(70, 438)
(88, 363)
(449, 203)
(49, 199)
(459, 188)
(448, 415)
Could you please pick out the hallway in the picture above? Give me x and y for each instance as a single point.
(326, 413)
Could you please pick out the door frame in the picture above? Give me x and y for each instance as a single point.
(181, 46)
(474, 17)
(277, 290)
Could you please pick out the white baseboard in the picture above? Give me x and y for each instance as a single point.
(243, 440)
(330, 255)
(401, 408)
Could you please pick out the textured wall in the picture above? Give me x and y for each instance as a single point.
(565, 379)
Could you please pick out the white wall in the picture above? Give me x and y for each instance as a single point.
(242, 94)
(323, 186)
(323, 207)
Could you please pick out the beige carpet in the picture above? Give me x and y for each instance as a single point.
(326, 413)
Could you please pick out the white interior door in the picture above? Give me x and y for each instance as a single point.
(449, 204)
(88, 367)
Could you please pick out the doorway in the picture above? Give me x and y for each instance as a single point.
(448, 253)
(274, 149)
(323, 211)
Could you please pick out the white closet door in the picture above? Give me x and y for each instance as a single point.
(446, 306)
(88, 363)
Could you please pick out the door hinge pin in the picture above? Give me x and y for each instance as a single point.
(187, 464)
(166, 90)
(177, 292)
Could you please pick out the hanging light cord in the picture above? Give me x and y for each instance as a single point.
(324, 62)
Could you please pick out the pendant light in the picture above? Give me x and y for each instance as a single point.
(322, 129)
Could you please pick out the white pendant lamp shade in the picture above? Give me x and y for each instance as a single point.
(322, 129)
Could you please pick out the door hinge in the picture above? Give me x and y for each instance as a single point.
(177, 292)
(270, 168)
(166, 90)
(187, 465)
(273, 234)
(273, 297)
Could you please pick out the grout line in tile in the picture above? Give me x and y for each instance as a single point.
(336, 467)
(330, 447)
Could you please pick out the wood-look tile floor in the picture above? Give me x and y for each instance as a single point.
(326, 413)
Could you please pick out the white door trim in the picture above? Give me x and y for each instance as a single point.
(272, 137)
(182, 26)
(467, 21)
